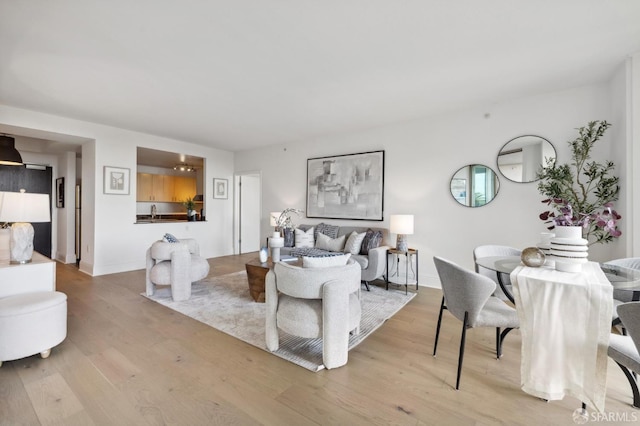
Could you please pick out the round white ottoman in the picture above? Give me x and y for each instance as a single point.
(32, 323)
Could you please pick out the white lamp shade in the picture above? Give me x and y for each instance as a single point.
(401, 224)
(24, 207)
(273, 218)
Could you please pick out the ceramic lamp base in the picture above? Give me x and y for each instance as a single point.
(21, 242)
(402, 244)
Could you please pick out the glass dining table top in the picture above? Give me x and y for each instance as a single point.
(619, 276)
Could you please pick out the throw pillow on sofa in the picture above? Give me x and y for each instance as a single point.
(304, 238)
(326, 229)
(354, 242)
(325, 242)
(324, 262)
(372, 240)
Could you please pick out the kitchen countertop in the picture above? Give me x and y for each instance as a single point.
(162, 218)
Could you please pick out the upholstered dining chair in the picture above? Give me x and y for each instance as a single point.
(314, 302)
(494, 250)
(625, 350)
(177, 264)
(621, 296)
(468, 296)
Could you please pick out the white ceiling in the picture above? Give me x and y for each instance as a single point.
(240, 74)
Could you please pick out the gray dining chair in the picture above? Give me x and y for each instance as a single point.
(621, 296)
(488, 250)
(624, 350)
(468, 296)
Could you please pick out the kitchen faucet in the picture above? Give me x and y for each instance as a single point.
(154, 211)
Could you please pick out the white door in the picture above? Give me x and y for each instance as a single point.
(248, 213)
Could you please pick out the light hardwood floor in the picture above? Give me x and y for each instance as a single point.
(130, 361)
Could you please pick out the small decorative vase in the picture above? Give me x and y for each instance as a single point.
(264, 254)
(569, 249)
(275, 243)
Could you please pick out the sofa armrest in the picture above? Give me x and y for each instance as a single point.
(377, 263)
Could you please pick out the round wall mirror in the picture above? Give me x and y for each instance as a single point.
(474, 185)
(523, 157)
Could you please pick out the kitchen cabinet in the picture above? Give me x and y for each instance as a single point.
(185, 187)
(164, 188)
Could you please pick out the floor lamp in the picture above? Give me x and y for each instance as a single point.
(21, 209)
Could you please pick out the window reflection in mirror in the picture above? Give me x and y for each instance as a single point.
(523, 157)
(474, 185)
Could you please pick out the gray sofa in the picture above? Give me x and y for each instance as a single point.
(373, 264)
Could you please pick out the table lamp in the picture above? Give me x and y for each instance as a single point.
(22, 208)
(402, 225)
(273, 219)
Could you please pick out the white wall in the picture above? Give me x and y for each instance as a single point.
(65, 251)
(112, 242)
(420, 159)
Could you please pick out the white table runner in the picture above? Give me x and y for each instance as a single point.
(565, 322)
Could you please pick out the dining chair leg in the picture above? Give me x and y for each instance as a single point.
(435, 345)
(500, 339)
(633, 383)
(462, 342)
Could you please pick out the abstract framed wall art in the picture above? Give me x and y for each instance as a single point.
(346, 186)
(116, 180)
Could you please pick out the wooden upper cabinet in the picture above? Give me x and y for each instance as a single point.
(144, 187)
(185, 187)
(164, 188)
(168, 188)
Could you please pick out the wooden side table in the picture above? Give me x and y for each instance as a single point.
(256, 274)
(409, 254)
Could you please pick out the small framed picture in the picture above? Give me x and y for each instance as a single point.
(220, 188)
(116, 180)
(60, 193)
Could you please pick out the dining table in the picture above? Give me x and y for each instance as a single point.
(620, 277)
(565, 323)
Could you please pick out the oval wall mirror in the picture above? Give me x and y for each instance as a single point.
(523, 157)
(474, 185)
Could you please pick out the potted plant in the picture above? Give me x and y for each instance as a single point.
(190, 205)
(285, 224)
(582, 193)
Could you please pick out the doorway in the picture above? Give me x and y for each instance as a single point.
(248, 208)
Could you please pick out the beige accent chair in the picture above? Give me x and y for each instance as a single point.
(314, 302)
(175, 264)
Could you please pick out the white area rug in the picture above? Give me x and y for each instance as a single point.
(224, 303)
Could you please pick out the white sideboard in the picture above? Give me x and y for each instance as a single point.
(39, 275)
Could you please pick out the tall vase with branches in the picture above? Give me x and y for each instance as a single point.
(582, 193)
(285, 224)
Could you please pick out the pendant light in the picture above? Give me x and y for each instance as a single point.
(9, 155)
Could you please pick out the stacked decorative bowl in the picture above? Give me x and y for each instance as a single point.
(569, 250)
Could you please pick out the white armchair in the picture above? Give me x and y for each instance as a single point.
(314, 302)
(175, 264)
